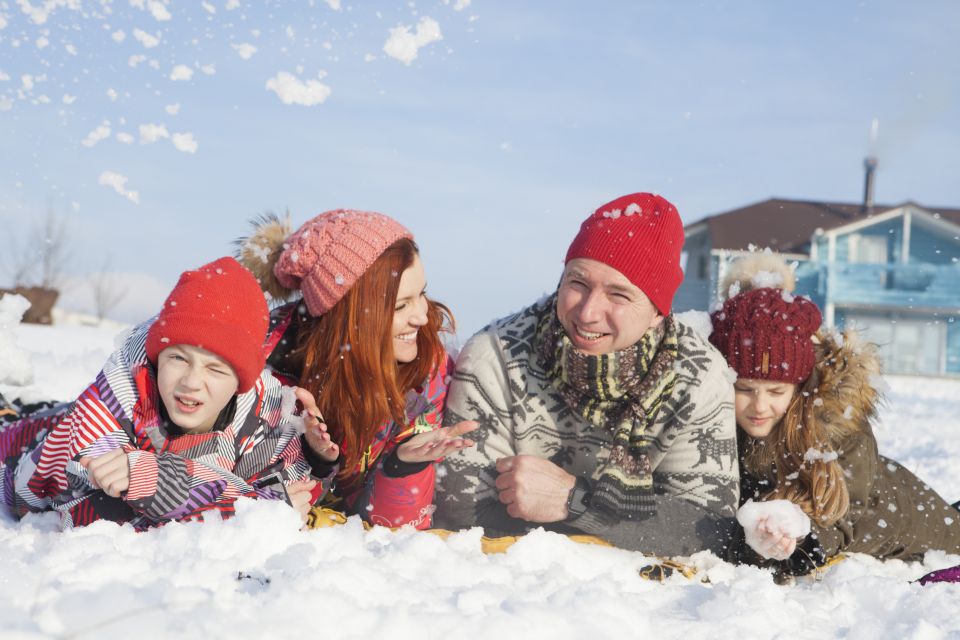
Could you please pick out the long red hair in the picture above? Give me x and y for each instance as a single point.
(348, 360)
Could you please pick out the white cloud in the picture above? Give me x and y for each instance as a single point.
(231, 5)
(5, 103)
(42, 42)
(125, 138)
(119, 184)
(181, 72)
(40, 13)
(185, 142)
(369, 57)
(148, 41)
(26, 82)
(244, 50)
(3, 22)
(133, 61)
(208, 69)
(72, 50)
(291, 90)
(118, 35)
(333, 4)
(98, 134)
(209, 7)
(150, 133)
(3, 76)
(404, 45)
(460, 5)
(68, 99)
(112, 94)
(158, 11)
(139, 4)
(172, 109)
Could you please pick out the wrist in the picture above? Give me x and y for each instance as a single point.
(578, 500)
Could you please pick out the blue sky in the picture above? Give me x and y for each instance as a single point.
(492, 144)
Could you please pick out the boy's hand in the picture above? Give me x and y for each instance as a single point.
(433, 445)
(299, 494)
(110, 472)
(315, 430)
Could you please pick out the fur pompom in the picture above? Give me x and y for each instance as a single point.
(260, 251)
(755, 271)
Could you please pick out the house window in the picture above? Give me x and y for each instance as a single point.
(907, 345)
(703, 267)
(868, 249)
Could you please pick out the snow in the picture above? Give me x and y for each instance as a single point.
(181, 72)
(150, 133)
(245, 50)
(291, 90)
(148, 41)
(119, 184)
(185, 142)
(404, 46)
(258, 575)
(773, 516)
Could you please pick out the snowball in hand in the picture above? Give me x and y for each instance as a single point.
(774, 516)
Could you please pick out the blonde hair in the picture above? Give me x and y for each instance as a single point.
(813, 482)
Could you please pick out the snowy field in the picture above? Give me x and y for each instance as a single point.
(259, 576)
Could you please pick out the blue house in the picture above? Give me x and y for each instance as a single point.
(893, 272)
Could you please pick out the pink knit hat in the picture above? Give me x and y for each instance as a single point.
(640, 235)
(326, 255)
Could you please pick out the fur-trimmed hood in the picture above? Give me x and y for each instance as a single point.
(848, 370)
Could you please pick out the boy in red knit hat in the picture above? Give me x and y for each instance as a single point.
(600, 412)
(181, 420)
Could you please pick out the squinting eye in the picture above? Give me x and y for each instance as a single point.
(400, 307)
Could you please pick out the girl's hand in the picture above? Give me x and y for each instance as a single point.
(771, 542)
(110, 472)
(430, 446)
(315, 430)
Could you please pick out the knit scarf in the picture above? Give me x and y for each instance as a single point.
(622, 392)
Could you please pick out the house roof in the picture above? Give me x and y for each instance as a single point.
(786, 226)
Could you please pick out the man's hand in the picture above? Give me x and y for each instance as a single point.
(534, 489)
(315, 430)
(110, 472)
(300, 496)
(433, 445)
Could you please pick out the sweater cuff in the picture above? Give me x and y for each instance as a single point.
(394, 467)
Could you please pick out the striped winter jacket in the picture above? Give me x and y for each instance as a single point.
(172, 477)
(367, 490)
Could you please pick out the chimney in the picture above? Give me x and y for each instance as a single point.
(870, 166)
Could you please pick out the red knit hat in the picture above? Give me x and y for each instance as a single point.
(767, 334)
(326, 256)
(639, 235)
(218, 307)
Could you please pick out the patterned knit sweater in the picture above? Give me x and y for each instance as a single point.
(500, 382)
(172, 477)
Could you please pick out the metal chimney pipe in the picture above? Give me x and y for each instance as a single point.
(870, 166)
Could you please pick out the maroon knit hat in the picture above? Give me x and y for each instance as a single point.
(218, 307)
(639, 235)
(326, 256)
(766, 334)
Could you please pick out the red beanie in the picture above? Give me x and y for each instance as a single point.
(218, 307)
(639, 235)
(767, 334)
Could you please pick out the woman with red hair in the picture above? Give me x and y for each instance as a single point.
(363, 344)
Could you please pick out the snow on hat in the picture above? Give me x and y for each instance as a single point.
(767, 334)
(640, 235)
(218, 307)
(326, 256)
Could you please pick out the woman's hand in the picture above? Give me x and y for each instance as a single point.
(315, 430)
(430, 446)
(110, 472)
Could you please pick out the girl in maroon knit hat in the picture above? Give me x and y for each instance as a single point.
(804, 401)
(363, 341)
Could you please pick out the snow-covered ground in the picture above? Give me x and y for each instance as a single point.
(259, 576)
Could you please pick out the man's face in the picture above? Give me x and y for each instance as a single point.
(600, 310)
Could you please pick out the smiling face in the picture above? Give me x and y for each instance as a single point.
(195, 385)
(601, 310)
(760, 404)
(410, 312)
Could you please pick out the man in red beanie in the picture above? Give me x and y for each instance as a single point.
(600, 412)
(153, 438)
